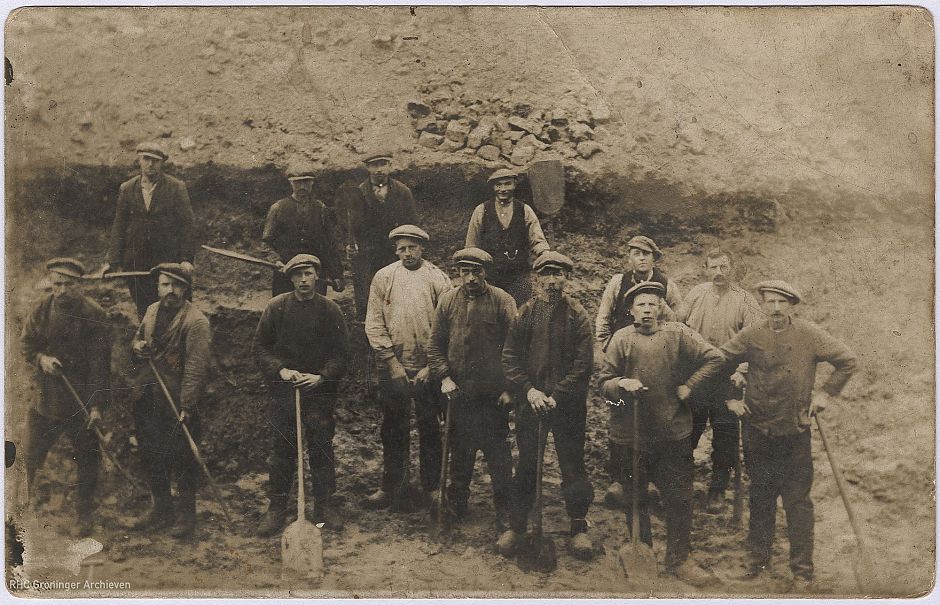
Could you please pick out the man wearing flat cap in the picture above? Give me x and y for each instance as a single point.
(782, 352)
(657, 367)
(153, 224)
(467, 337)
(718, 309)
(548, 359)
(301, 343)
(402, 300)
(68, 335)
(510, 232)
(175, 336)
(302, 224)
(380, 204)
(613, 313)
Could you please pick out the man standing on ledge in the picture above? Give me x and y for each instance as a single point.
(510, 232)
(153, 224)
(382, 204)
(301, 342)
(302, 224)
(782, 353)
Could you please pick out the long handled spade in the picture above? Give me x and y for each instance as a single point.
(407, 496)
(737, 511)
(301, 544)
(637, 557)
(538, 552)
(871, 578)
(101, 438)
(189, 439)
(439, 506)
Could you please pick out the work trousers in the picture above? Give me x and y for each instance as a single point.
(567, 424)
(165, 453)
(319, 426)
(668, 464)
(43, 432)
(478, 423)
(780, 466)
(711, 406)
(281, 283)
(144, 292)
(396, 433)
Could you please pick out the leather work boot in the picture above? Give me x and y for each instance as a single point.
(802, 585)
(614, 496)
(272, 521)
(715, 504)
(378, 500)
(329, 516)
(502, 521)
(161, 517)
(581, 546)
(691, 573)
(508, 543)
(185, 526)
(85, 525)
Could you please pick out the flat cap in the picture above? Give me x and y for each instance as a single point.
(780, 287)
(502, 173)
(175, 271)
(379, 154)
(152, 149)
(472, 256)
(644, 287)
(411, 231)
(66, 266)
(300, 261)
(644, 243)
(551, 259)
(301, 170)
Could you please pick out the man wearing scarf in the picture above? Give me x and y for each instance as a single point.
(175, 335)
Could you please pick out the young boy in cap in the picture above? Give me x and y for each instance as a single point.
(782, 352)
(718, 309)
(301, 343)
(402, 300)
(657, 366)
(380, 204)
(175, 335)
(510, 232)
(302, 224)
(153, 223)
(548, 359)
(467, 336)
(68, 335)
(613, 313)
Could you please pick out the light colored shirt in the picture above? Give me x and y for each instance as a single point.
(605, 320)
(146, 188)
(401, 311)
(537, 242)
(718, 315)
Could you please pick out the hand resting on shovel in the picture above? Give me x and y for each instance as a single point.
(301, 380)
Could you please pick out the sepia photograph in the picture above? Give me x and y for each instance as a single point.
(469, 301)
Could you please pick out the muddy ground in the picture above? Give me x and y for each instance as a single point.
(846, 217)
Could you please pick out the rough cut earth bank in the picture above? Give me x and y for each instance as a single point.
(800, 139)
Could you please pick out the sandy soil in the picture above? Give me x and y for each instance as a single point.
(710, 110)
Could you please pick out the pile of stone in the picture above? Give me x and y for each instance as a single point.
(492, 130)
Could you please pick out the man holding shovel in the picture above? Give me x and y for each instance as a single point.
(467, 337)
(782, 352)
(548, 359)
(402, 300)
(67, 336)
(657, 366)
(175, 336)
(302, 224)
(301, 342)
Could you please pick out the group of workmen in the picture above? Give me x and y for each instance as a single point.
(474, 356)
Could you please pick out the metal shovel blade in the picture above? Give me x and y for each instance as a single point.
(537, 553)
(302, 551)
(638, 561)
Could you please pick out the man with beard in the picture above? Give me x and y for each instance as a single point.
(658, 366)
(302, 224)
(175, 335)
(67, 334)
(381, 204)
(398, 324)
(467, 337)
(782, 353)
(614, 314)
(718, 309)
(301, 343)
(153, 224)
(510, 232)
(548, 359)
